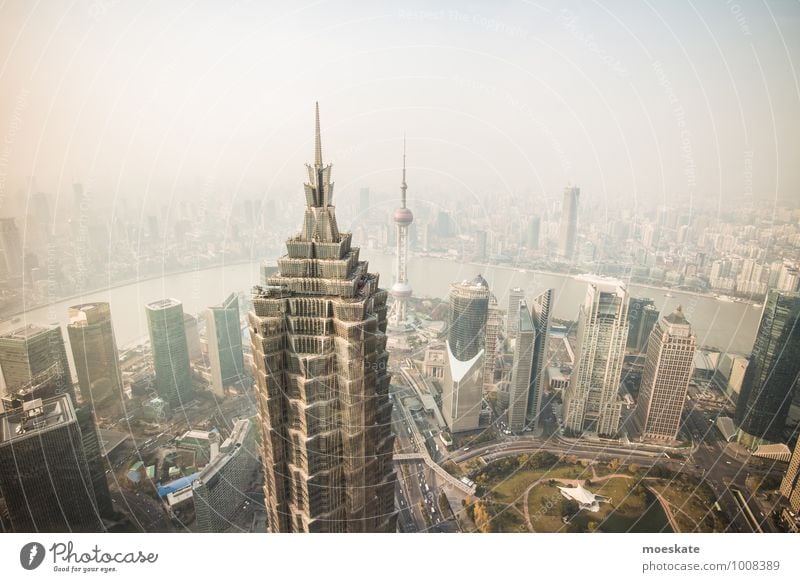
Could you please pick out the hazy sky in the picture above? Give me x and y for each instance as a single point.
(626, 99)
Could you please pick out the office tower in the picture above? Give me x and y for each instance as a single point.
(94, 458)
(638, 320)
(541, 307)
(44, 476)
(771, 375)
(463, 378)
(34, 363)
(192, 337)
(94, 352)
(494, 321)
(221, 487)
(568, 227)
(667, 371)
(790, 485)
(168, 344)
(12, 248)
(515, 297)
(322, 383)
(224, 332)
(591, 402)
(401, 290)
(521, 371)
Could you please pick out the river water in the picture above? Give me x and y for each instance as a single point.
(725, 325)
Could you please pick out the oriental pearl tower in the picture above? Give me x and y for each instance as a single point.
(401, 290)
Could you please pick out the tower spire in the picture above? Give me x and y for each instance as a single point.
(403, 185)
(317, 142)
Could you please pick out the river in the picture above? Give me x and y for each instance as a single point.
(725, 325)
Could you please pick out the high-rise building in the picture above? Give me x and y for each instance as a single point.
(568, 227)
(515, 297)
(94, 352)
(591, 402)
(790, 485)
(665, 380)
(322, 383)
(224, 333)
(541, 307)
(771, 376)
(170, 351)
(401, 290)
(641, 321)
(462, 391)
(11, 245)
(192, 337)
(522, 368)
(44, 475)
(221, 487)
(34, 363)
(494, 322)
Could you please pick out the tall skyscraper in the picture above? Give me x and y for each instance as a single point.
(192, 337)
(221, 487)
(667, 371)
(642, 316)
(170, 351)
(541, 307)
(790, 485)
(494, 322)
(521, 371)
(772, 372)
(11, 244)
(515, 297)
(401, 290)
(44, 475)
(462, 390)
(591, 401)
(224, 333)
(34, 363)
(322, 383)
(568, 227)
(94, 352)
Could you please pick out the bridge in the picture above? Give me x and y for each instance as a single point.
(423, 454)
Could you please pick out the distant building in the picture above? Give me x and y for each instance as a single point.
(192, 337)
(34, 363)
(790, 486)
(221, 488)
(591, 402)
(522, 369)
(170, 351)
(435, 361)
(494, 322)
(95, 354)
(667, 371)
(568, 227)
(515, 297)
(771, 376)
(44, 471)
(224, 332)
(642, 316)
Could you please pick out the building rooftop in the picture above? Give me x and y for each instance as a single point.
(677, 317)
(26, 332)
(35, 417)
(162, 304)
